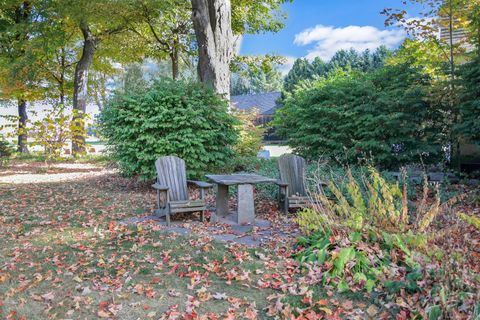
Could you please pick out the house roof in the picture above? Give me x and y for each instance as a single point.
(264, 102)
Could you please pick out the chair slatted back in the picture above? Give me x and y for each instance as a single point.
(292, 171)
(171, 172)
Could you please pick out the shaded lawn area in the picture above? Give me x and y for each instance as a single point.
(63, 254)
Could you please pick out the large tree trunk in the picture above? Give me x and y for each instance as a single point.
(80, 88)
(22, 126)
(22, 14)
(213, 29)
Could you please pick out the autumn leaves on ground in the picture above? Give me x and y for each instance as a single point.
(64, 254)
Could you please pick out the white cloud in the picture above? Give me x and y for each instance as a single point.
(328, 39)
(284, 68)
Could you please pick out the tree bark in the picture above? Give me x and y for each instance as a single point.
(61, 82)
(80, 87)
(174, 60)
(22, 126)
(213, 30)
(22, 14)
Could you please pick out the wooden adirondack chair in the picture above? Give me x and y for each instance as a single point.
(292, 182)
(172, 190)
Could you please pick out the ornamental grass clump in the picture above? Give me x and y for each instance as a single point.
(369, 203)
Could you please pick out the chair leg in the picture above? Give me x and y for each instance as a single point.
(283, 199)
(158, 202)
(202, 215)
(167, 214)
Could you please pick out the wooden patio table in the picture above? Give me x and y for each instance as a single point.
(245, 201)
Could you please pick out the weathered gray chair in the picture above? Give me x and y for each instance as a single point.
(172, 190)
(292, 182)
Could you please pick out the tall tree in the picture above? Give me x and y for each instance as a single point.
(212, 20)
(166, 28)
(255, 74)
(469, 127)
(303, 70)
(15, 61)
(457, 23)
(216, 22)
(96, 21)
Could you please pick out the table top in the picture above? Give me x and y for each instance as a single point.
(240, 178)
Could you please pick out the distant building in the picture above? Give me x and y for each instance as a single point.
(459, 35)
(264, 103)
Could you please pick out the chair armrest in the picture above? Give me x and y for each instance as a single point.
(160, 187)
(200, 184)
(281, 183)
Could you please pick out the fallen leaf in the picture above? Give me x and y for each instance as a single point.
(173, 293)
(103, 314)
(48, 296)
(372, 310)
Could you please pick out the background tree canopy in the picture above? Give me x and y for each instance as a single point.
(304, 70)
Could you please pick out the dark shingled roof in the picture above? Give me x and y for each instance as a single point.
(264, 102)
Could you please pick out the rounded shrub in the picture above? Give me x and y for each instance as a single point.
(384, 116)
(168, 118)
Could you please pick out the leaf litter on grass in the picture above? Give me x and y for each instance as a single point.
(65, 254)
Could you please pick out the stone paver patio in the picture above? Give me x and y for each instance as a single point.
(262, 233)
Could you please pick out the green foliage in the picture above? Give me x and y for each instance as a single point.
(6, 150)
(170, 118)
(471, 220)
(255, 74)
(303, 70)
(250, 135)
(53, 131)
(469, 127)
(368, 202)
(256, 82)
(425, 54)
(383, 115)
(352, 264)
(250, 17)
(366, 231)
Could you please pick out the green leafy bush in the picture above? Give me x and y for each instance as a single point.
(469, 127)
(384, 116)
(250, 135)
(6, 150)
(53, 131)
(169, 118)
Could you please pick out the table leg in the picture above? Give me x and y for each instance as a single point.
(222, 202)
(246, 208)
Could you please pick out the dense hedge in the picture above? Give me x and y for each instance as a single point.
(384, 116)
(469, 127)
(169, 118)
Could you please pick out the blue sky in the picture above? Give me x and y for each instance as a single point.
(320, 27)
